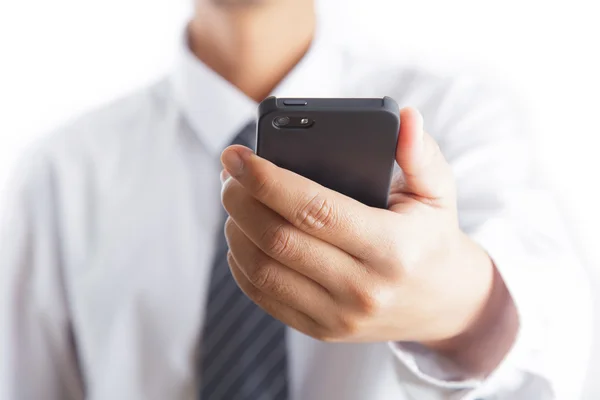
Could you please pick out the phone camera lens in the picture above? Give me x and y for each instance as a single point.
(281, 121)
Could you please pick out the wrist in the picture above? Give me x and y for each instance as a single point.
(491, 322)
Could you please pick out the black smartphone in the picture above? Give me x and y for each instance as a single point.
(345, 144)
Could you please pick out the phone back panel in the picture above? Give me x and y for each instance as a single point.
(349, 148)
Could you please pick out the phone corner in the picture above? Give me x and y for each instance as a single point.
(391, 108)
(390, 105)
(267, 106)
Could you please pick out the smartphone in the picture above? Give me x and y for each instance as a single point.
(345, 144)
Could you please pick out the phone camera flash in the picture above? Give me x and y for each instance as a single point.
(304, 121)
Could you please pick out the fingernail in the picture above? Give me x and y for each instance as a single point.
(420, 144)
(232, 162)
(420, 124)
(224, 176)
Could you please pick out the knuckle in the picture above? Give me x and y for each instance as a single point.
(348, 327)
(230, 227)
(316, 214)
(229, 194)
(392, 253)
(343, 327)
(250, 290)
(379, 248)
(277, 240)
(324, 337)
(263, 276)
(267, 277)
(324, 334)
(369, 302)
(230, 259)
(395, 254)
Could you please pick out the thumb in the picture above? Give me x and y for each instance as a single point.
(426, 174)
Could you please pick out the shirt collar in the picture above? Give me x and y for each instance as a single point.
(218, 111)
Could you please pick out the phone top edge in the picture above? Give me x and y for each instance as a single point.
(272, 104)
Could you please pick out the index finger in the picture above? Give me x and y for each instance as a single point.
(357, 229)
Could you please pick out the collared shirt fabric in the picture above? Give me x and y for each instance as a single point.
(107, 241)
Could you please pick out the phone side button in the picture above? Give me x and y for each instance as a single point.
(291, 102)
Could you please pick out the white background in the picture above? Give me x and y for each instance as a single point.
(61, 57)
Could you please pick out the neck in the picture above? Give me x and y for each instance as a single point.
(255, 45)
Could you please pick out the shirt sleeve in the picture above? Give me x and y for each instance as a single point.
(38, 356)
(503, 207)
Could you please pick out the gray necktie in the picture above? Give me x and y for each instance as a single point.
(243, 350)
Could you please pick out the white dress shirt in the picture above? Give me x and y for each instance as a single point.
(107, 245)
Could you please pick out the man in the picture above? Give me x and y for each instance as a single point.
(115, 283)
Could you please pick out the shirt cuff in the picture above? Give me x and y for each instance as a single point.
(432, 368)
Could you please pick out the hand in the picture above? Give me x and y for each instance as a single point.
(338, 270)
